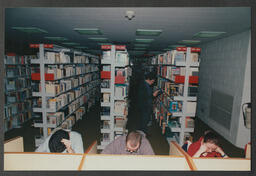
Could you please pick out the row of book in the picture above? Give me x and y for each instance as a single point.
(82, 59)
(121, 58)
(170, 72)
(119, 91)
(68, 84)
(64, 99)
(169, 105)
(60, 71)
(120, 107)
(173, 57)
(18, 59)
(172, 89)
(14, 71)
(58, 118)
(53, 57)
(17, 108)
(17, 121)
(20, 96)
(17, 84)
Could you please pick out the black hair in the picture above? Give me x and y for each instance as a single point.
(211, 138)
(55, 144)
(150, 76)
(134, 138)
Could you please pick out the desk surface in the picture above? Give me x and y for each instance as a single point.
(133, 162)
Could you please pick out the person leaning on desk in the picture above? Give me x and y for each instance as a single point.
(62, 141)
(206, 146)
(134, 143)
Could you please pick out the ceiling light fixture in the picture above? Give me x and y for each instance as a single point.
(30, 29)
(129, 14)
(148, 32)
(57, 38)
(189, 41)
(207, 34)
(88, 31)
(144, 40)
(99, 39)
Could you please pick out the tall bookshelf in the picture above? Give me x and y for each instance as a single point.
(65, 82)
(175, 109)
(114, 88)
(17, 91)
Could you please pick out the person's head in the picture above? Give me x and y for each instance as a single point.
(211, 141)
(150, 78)
(55, 144)
(133, 141)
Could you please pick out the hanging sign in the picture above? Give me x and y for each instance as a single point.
(37, 45)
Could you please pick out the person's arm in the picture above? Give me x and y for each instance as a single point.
(75, 144)
(201, 150)
(221, 152)
(146, 148)
(43, 147)
(109, 149)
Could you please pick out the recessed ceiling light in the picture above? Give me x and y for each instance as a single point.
(70, 43)
(99, 39)
(167, 49)
(140, 48)
(208, 34)
(57, 38)
(104, 43)
(144, 40)
(81, 47)
(30, 29)
(140, 45)
(148, 32)
(175, 46)
(154, 52)
(189, 41)
(88, 31)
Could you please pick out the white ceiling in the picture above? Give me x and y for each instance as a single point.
(177, 24)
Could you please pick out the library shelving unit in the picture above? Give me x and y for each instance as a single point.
(114, 88)
(178, 78)
(17, 91)
(64, 85)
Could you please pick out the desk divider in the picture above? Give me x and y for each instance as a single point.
(178, 150)
(14, 145)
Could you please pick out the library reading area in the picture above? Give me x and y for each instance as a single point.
(157, 89)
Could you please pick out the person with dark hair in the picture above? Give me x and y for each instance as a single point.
(206, 146)
(62, 141)
(134, 143)
(145, 102)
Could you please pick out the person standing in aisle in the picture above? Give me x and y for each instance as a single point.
(62, 141)
(134, 143)
(145, 101)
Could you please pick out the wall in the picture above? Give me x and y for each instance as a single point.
(225, 68)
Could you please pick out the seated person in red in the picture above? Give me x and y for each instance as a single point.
(206, 146)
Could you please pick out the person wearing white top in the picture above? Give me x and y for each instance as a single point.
(62, 141)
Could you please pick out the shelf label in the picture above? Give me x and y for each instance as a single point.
(37, 45)
(194, 49)
(118, 47)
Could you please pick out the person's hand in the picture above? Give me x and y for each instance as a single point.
(219, 150)
(155, 93)
(67, 143)
(203, 148)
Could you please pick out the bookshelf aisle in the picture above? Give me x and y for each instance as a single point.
(17, 91)
(175, 109)
(66, 84)
(114, 88)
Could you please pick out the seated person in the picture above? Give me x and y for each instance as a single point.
(134, 143)
(206, 146)
(62, 141)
